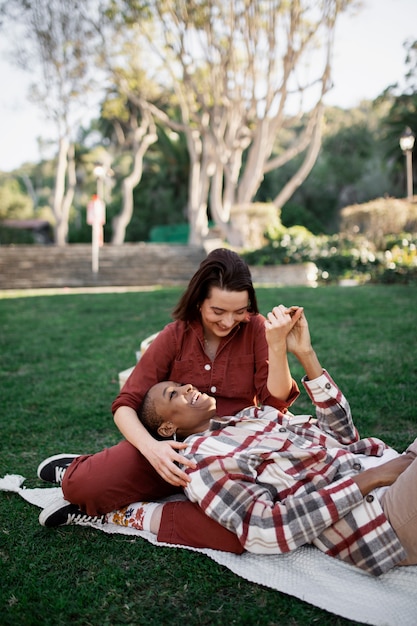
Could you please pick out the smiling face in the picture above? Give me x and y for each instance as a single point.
(222, 310)
(182, 406)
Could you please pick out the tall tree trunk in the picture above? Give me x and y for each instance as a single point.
(145, 136)
(63, 196)
(306, 167)
(197, 207)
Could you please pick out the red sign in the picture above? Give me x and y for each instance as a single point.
(96, 212)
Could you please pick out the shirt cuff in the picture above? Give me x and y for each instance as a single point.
(321, 388)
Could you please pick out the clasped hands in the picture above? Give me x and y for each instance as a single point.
(288, 325)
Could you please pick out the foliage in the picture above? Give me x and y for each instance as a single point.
(342, 256)
(60, 359)
(293, 214)
(379, 218)
(14, 203)
(400, 260)
(351, 167)
(360, 161)
(161, 198)
(238, 92)
(14, 236)
(401, 113)
(52, 41)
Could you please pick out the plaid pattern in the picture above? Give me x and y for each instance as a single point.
(280, 481)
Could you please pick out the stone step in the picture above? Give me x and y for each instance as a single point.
(37, 266)
(129, 265)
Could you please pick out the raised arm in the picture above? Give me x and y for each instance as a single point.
(332, 408)
(287, 330)
(278, 324)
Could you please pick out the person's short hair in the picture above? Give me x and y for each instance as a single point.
(149, 416)
(221, 268)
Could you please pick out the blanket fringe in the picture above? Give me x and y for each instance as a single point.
(12, 482)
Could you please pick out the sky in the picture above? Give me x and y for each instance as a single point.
(368, 56)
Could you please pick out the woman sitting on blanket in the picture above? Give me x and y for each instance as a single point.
(278, 481)
(217, 342)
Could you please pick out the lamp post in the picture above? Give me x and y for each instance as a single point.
(406, 145)
(97, 215)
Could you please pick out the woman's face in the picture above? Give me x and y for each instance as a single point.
(188, 410)
(222, 310)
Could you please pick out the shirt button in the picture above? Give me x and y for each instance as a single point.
(282, 429)
(213, 389)
(207, 367)
(369, 498)
(328, 386)
(357, 466)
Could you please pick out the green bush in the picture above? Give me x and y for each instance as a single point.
(9, 236)
(285, 245)
(341, 256)
(399, 275)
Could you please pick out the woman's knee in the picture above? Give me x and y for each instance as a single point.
(91, 473)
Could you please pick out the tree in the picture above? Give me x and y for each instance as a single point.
(402, 113)
(241, 76)
(132, 130)
(138, 134)
(54, 39)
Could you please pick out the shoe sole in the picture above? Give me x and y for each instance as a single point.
(52, 508)
(56, 457)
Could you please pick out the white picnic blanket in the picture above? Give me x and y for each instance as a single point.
(306, 573)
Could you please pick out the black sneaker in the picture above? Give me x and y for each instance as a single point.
(61, 513)
(52, 469)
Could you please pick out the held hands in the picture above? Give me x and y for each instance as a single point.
(163, 457)
(288, 327)
(287, 330)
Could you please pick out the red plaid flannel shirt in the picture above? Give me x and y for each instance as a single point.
(280, 481)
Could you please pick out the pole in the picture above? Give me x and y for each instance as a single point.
(95, 247)
(98, 216)
(408, 156)
(95, 234)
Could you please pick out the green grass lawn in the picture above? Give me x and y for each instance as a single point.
(59, 362)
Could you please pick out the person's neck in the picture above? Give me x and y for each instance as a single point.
(180, 436)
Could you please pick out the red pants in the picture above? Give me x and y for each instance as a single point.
(120, 475)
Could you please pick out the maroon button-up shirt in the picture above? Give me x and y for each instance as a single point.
(236, 377)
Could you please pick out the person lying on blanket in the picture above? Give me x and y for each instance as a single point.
(279, 481)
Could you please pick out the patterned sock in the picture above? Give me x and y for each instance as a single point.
(137, 515)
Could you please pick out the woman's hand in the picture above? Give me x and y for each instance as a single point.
(298, 339)
(164, 458)
(279, 324)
